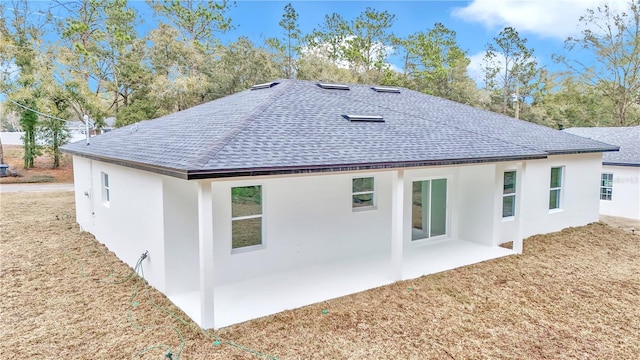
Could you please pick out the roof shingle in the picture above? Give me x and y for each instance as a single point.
(297, 126)
(627, 138)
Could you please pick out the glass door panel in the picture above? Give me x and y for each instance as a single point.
(428, 209)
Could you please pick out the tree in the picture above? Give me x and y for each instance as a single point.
(361, 44)
(241, 66)
(289, 24)
(20, 38)
(29, 121)
(563, 101)
(613, 40)
(329, 40)
(435, 64)
(53, 133)
(510, 65)
(197, 21)
(370, 40)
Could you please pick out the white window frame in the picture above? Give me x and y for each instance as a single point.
(372, 192)
(512, 195)
(248, 217)
(604, 186)
(558, 189)
(106, 192)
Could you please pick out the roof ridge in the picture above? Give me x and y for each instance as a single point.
(207, 154)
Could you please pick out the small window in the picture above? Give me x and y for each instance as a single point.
(606, 186)
(509, 194)
(362, 192)
(105, 188)
(555, 188)
(246, 217)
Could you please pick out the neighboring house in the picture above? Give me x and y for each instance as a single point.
(293, 192)
(620, 178)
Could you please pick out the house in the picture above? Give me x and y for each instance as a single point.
(295, 192)
(620, 174)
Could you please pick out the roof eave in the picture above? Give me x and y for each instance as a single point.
(627, 164)
(582, 151)
(177, 173)
(308, 169)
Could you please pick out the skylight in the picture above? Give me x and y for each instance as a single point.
(384, 89)
(264, 86)
(364, 118)
(334, 86)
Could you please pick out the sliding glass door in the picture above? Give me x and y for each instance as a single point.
(429, 209)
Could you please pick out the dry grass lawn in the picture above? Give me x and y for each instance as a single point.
(571, 295)
(42, 170)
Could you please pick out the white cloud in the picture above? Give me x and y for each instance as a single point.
(474, 70)
(552, 19)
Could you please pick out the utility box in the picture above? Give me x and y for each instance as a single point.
(3, 170)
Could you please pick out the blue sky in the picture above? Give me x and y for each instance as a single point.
(545, 23)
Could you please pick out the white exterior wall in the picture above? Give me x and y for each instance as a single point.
(580, 185)
(307, 220)
(132, 221)
(180, 204)
(625, 198)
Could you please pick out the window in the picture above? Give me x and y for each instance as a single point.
(105, 188)
(246, 217)
(555, 188)
(362, 192)
(509, 194)
(606, 186)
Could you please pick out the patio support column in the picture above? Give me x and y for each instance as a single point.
(205, 236)
(397, 224)
(520, 206)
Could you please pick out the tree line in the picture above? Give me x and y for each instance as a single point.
(101, 66)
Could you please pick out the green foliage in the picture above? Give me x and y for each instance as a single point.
(53, 133)
(435, 64)
(362, 43)
(510, 66)
(29, 121)
(613, 39)
(101, 66)
(289, 24)
(198, 21)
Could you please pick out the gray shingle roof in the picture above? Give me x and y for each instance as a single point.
(627, 138)
(296, 126)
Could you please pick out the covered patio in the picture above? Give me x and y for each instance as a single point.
(265, 295)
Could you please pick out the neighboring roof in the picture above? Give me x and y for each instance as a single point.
(627, 138)
(297, 126)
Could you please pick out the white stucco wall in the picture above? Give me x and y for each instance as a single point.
(306, 220)
(309, 219)
(476, 203)
(132, 221)
(580, 185)
(625, 199)
(180, 224)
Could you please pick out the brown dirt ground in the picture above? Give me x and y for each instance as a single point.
(42, 170)
(572, 294)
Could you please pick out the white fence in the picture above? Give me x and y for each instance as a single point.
(15, 138)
